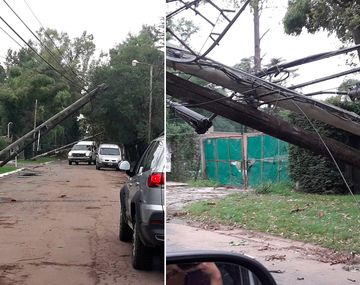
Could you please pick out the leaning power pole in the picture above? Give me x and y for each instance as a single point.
(48, 125)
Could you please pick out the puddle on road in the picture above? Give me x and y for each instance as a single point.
(7, 200)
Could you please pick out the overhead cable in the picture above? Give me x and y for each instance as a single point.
(37, 38)
(315, 57)
(40, 56)
(52, 41)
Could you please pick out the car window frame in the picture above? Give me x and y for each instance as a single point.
(140, 161)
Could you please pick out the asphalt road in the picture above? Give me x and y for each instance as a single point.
(59, 225)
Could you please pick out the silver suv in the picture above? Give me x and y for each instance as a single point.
(142, 205)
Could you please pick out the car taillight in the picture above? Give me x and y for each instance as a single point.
(156, 179)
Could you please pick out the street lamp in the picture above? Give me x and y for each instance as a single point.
(8, 129)
(134, 63)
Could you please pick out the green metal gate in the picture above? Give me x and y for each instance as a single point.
(245, 160)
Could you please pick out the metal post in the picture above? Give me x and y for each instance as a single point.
(35, 114)
(150, 102)
(8, 129)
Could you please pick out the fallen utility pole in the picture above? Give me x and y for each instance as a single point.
(246, 115)
(260, 92)
(48, 125)
(64, 147)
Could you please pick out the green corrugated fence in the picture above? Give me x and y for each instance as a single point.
(245, 160)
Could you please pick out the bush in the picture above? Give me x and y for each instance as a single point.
(315, 173)
(3, 144)
(281, 188)
(185, 151)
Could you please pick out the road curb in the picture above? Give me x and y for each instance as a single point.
(20, 169)
(11, 172)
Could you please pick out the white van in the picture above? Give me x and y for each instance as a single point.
(84, 151)
(109, 155)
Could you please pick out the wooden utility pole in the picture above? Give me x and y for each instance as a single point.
(64, 147)
(150, 102)
(45, 127)
(257, 50)
(249, 116)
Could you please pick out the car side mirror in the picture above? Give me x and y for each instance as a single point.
(215, 268)
(124, 165)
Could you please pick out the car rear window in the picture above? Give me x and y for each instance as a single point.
(109, 151)
(158, 159)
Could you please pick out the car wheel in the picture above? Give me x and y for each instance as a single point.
(70, 162)
(125, 232)
(141, 255)
(89, 163)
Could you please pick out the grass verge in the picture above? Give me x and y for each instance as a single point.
(5, 169)
(332, 221)
(38, 160)
(202, 183)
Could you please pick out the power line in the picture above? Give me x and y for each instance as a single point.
(43, 45)
(280, 67)
(52, 41)
(40, 56)
(11, 37)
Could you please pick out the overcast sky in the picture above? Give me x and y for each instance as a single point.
(109, 21)
(238, 43)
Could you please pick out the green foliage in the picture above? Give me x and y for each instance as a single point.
(37, 161)
(202, 183)
(28, 79)
(222, 124)
(281, 188)
(122, 111)
(3, 144)
(341, 17)
(183, 28)
(185, 154)
(315, 173)
(346, 84)
(5, 169)
(296, 16)
(246, 64)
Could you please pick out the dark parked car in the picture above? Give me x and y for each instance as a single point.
(142, 205)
